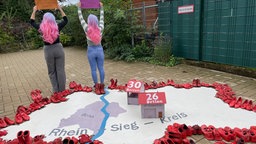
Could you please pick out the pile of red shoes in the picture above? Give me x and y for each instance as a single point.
(78, 87)
(113, 85)
(178, 133)
(24, 137)
(4, 122)
(227, 134)
(225, 93)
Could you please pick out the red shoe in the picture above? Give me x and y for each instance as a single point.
(230, 132)
(102, 87)
(34, 106)
(233, 102)
(97, 89)
(238, 102)
(75, 140)
(46, 101)
(87, 89)
(97, 142)
(254, 108)
(3, 133)
(197, 130)
(38, 139)
(224, 134)
(18, 119)
(249, 106)
(23, 109)
(66, 140)
(14, 141)
(27, 138)
(115, 83)
(170, 82)
(252, 136)
(84, 138)
(246, 135)
(196, 83)
(9, 121)
(207, 132)
(20, 137)
(111, 86)
(161, 84)
(3, 124)
(217, 135)
(25, 117)
(244, 104)
(172, 132)
(72, 85)
(146, 86)
(205, 84)
(187, 86)
(78, 88)
(185, 130)
(153, 85)
(122, 87)
(57, 141)
(227, 134)
(163, 140)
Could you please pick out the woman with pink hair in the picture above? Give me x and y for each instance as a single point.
(53, 49)
(93, 30)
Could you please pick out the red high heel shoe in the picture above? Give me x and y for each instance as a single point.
(238, 102)
(111, 86)
(84, 138)
(3, 133)
(3, 124)
(9, 121)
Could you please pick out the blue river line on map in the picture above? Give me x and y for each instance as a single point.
(104, 121)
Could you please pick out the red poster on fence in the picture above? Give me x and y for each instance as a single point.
(46, 4)
(90, 4)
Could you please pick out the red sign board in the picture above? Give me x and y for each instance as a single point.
(186, 9)
(135, 86)
(90, 4)
(152, 98)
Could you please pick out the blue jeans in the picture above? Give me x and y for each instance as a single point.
(95, 55)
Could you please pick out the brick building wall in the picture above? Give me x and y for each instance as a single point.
(149, 17)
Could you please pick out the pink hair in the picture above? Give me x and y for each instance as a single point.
(49, 28)
(93, 31)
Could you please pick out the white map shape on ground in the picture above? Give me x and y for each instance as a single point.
(122, 123)
(91, 117)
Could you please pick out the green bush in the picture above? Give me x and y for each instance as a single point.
(142, 50)
(65, 39)
(33, 38)
(7, 42)
(163, 52)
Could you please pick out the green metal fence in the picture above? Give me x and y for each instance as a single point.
(221, 31)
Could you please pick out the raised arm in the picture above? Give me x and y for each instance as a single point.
(80, 16)
(65, 19)
(61, 11)
(33, 17)
(101, 24)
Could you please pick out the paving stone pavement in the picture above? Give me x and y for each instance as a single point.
(22, 72)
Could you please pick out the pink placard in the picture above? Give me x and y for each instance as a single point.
(90, 4)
